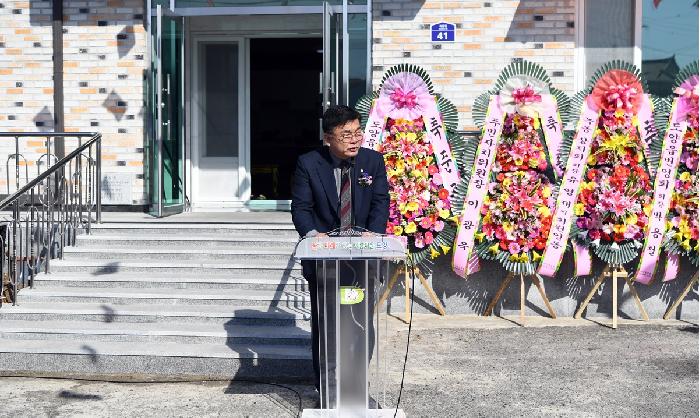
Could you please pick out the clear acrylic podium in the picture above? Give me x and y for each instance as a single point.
(351, 272)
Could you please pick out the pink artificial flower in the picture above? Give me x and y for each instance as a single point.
(616, 89)
(690, 160)
(438, 226)
(616, 202)
(403, 99)
(620, 97)
(675, 221)
(514, 248)
(688, 97)
(428, 238)
(631, 231)
(526, 95)
(500, 234)
(418, 241)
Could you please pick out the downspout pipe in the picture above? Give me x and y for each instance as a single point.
(58, 110)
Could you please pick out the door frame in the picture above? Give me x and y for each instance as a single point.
(155, 13)
(169, 8)
(193, 139)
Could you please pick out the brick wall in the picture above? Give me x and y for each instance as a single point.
(488, 36)
(26, 86)
(105, 56)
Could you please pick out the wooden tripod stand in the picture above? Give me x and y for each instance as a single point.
(407, 284)
(504, 286)
(615, 273)
(682, 296)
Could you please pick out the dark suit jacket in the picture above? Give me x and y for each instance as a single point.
(315, 196)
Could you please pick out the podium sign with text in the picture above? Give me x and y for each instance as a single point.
(350, 273)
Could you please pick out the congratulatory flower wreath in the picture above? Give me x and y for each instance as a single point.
(682, 227)
(515, 165)
(606, 193)
(416, 131)
(673, 222)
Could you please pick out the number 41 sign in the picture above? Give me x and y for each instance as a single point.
(442, 32)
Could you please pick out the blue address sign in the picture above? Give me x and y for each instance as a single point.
(442, 32)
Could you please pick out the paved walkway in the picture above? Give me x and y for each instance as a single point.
(458, 367)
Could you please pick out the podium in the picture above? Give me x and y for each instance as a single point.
(351, 271)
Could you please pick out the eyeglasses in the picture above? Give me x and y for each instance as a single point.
(347, 136)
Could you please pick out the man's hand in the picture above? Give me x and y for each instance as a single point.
(368, 234)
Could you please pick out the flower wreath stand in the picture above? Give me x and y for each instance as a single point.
(604, 202)
(416, 131)
(404, 270)
(506, 213)
(504, 285)
(614, 273)
(676, 303)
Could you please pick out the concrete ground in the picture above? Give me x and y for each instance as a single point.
(459, 366)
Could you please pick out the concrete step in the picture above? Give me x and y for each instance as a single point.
(285, 230)
(238, 269)
(187, 241)
(162, 296)
(157, 313)
(169, 281)
(166, 300)
(253, 255)
(154, 361)
(185, 333)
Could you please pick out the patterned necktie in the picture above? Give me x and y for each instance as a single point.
(345, 196)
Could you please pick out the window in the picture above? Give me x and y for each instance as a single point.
(669, 41)
(608, 33)
(663, 42)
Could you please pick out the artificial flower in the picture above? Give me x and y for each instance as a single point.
(615, 197)
(419, 203)
(682, 220)
(517, 209)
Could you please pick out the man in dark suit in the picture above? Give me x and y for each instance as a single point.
(340, 186)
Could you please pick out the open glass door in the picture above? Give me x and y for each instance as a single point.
(346, 58)
(333, 75)
(166, 144)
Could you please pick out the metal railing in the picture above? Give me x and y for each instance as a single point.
(45, 215)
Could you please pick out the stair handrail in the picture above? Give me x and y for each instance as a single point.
(55, 209)
(94, 138)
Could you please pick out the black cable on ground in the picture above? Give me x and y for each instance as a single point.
(408, 338)
(134, 382)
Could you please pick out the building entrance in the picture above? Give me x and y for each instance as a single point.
(285, 108)
(236, 94)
